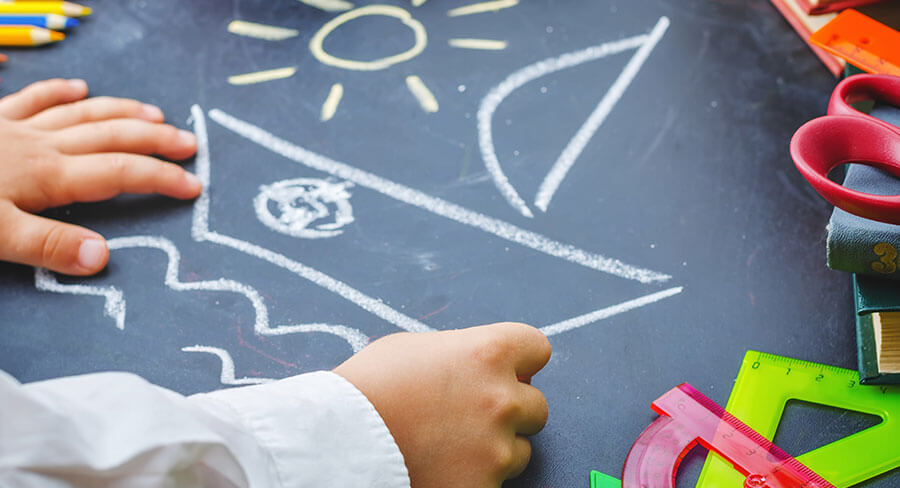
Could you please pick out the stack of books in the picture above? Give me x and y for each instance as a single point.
(870, 251)
(808, 16)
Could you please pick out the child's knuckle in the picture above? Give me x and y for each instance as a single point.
(111, 132)
(53, 244)
(492, 351)
(118, 166)
(503, 456)
(500, 403)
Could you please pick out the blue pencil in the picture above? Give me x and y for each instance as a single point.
(48, 21)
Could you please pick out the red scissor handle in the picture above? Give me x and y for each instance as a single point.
(824, 143)
(856, 88)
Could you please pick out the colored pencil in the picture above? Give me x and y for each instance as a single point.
(22, 35)
(44, 7)
(48, 21)
(3, 58)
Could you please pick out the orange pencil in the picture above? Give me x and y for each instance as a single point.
(27, 35)
(3, 58)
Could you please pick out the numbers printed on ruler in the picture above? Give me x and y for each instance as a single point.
(862, 41)
(766, 383)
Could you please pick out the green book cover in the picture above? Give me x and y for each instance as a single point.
(872, 295)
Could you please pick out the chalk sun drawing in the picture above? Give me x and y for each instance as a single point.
(643, 45)
(294, 206)
(437, 206)
(416, 86)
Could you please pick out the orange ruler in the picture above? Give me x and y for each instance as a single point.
(862, 42)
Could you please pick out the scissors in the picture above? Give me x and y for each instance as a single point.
(847, 135)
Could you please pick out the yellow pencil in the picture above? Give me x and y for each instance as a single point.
(68, 9)
(28, 35)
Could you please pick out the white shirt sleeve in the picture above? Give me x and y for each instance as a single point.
(117, 430)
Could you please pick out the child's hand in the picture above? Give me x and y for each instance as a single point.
(57, 148)
(453, 400)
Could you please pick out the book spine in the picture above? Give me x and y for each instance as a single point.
(867, 354)
(876, 256)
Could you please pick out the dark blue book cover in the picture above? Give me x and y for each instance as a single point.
(864, 246)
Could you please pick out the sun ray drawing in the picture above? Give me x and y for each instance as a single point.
(422, 93)
(331, 103)
(348, 13)
(262, 76)
(482, 44)
(328, 5)
(261, 31)
(482, 7)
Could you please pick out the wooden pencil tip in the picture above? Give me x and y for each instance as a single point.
(56, 36)
(70, 9)
(3, 58)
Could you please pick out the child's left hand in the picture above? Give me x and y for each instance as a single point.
(57, 148)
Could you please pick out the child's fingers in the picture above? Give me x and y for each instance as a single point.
(96, 177)
(126, 135)
(93, 110)
(529, 347)
(533, 410)
(40, 96)
(45, 243)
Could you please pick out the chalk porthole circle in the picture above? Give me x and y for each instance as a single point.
(315, 44)
(308, 208)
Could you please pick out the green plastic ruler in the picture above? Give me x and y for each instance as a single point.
(600, 480)
(767, 382)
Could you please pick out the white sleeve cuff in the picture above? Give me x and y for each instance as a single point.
(319, 430)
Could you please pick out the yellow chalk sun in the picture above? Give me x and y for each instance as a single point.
(415, 84)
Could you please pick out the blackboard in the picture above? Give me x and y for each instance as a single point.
(680, 236)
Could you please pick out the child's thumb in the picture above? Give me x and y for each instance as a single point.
(46, 243)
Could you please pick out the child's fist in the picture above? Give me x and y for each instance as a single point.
(457, 402)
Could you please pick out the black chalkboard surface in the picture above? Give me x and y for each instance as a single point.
(614, 172)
